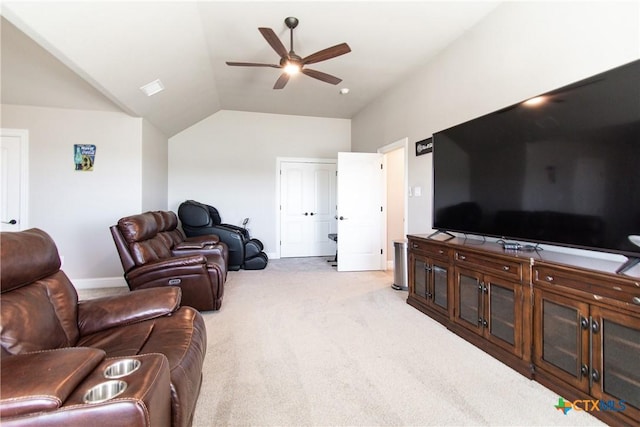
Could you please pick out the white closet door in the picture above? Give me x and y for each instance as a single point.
(307, 209)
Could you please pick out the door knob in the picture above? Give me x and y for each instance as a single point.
(306, 213)
(311, 214)
(342, 218)
(11, 221)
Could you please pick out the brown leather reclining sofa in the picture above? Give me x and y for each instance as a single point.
(155, 253)
(57, 354)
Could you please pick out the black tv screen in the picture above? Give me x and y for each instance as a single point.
(562, 169)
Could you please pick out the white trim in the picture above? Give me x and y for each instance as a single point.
(401, 143)
(23, 135)
(279, 161)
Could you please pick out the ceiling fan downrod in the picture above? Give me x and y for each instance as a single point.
(291, 23)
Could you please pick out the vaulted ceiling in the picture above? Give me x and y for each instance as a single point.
(116, 47)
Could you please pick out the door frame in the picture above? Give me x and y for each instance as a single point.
(401, 143)
(23, 136)
(279, 161)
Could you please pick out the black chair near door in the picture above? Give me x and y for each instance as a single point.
(244, 251)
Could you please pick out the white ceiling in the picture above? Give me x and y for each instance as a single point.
(117, 47)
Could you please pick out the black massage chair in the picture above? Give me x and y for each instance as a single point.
(244, 252)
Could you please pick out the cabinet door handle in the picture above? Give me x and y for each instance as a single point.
(485, 323)
(584, 323)
(549, 278)
(595, 375)
(441, 252)
(506, 268)
(584, 370)
(462, 257)
(595, 326)
(415, 245)
(636, 300)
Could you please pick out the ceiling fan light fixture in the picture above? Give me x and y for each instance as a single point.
(292, 68)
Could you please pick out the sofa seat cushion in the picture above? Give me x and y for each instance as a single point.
(121, 341)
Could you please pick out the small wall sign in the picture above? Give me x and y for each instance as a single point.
(84, 155)
(425, 146)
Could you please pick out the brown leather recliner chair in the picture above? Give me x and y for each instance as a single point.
(54, 349)
(153, 259)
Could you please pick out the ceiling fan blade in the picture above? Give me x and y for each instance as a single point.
(251, 64)
(282, 81)
(327, 78)
(328, 53)
(273, 40)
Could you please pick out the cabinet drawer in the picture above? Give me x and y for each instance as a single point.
(429, 249)
(494, 265)
(617, 291)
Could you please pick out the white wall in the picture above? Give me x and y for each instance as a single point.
(520, 50)
(77, 208)
(228, 161)
(155, 163)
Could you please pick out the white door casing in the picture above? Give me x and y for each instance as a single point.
(307, 208)
(361, 189)
(14, 163)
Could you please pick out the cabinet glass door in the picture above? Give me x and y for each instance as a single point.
(440, 287)
(468, 300)
(504, 313)
(561, 339)
(420, 277)
(616, 358)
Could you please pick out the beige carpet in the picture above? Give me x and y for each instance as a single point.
(300, 344)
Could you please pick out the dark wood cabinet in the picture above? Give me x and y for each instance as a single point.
(429, 280)
(489, 306)
(587, 335)
(568, 322)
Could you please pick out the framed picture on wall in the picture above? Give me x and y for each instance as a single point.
(425, 146)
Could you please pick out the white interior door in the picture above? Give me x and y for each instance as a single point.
(360, 216)
(13, 179)
(307, 208)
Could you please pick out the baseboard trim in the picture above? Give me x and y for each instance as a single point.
(100, 282)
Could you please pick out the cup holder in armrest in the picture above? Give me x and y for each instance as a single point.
(121, 368)
(105, 391)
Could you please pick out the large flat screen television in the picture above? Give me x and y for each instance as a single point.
(562, 168)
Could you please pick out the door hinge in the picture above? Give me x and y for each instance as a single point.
(380, 165)
(380, 251)
(380, 208)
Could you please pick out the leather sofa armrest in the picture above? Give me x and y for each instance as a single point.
(42, 381)
(107, 312)
(204, 250)
(168, 264)
(189, 245)
(205, 239)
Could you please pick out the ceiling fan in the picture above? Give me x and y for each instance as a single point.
(291, 63)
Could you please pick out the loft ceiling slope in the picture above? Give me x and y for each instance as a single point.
(117, 47)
